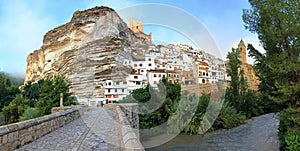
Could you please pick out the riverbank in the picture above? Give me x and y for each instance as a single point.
(259, 133)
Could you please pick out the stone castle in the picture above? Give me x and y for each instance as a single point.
(138, 28)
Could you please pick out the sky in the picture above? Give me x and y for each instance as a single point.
(25, 22)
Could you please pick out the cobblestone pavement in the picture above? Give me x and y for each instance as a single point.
(95, 130)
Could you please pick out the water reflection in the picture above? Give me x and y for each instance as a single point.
(258, 134)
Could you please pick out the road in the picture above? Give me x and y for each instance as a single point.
(97, 130)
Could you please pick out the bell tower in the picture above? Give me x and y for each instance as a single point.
(243, 54)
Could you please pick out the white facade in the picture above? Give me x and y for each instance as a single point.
(115, 91)
(154, 77)
(136, 81)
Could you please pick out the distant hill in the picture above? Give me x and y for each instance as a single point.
(16, 80)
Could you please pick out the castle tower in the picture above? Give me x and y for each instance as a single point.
(136, 26)
(243, 54)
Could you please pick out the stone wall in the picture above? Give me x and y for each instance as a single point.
(131, 112)
(65, 108)
(129, 135)
(17, 134)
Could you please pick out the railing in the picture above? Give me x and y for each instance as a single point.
(15, 135)
(129, 127)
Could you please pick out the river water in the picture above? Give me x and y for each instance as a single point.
(259, 134)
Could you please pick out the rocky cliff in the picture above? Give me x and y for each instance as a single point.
(84, 50)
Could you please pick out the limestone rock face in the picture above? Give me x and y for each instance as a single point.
(84, 50)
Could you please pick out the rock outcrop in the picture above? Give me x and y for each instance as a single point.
(84, 50)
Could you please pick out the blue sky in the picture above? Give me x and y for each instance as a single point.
(24, 23)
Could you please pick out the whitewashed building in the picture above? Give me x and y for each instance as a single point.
(154, 76)
(115, 91)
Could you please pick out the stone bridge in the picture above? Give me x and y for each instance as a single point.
(82, 128)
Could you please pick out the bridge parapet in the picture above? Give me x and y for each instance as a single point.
(15, 135)
(129, 126)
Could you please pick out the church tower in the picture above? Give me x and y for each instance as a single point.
(243, 54)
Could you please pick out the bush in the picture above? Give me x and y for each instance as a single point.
(30, 113)
(15, 108)
(289, 128)
(229, 117)
(194, 126)
(292, 141)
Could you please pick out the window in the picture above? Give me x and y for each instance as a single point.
(108, 90)
(154, 75)
(203, 81)
(135, 77)
(141, 65)
(116, 90)
(206, 74)
(164, 76)
(135, 65)
(109, 83)
(155, 82)
(125, 62)
(123, 90)
(124, 82)
(149, 59)
(203, 74)
(117, 83)
(149, 64)
(159, 75)
(169, 75)
(138, 83)
(142, 70)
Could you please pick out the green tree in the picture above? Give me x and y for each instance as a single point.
(31, 91)
(277, 25)
(235, 93)
(49, 96)
(7, 91)
(14, 110)
(142, 94)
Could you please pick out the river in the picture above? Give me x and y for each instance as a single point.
(258, 134)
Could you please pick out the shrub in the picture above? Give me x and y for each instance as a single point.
(292, 141)
(15, 108)
(229, 117)
(289, 128)
(29, 113)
